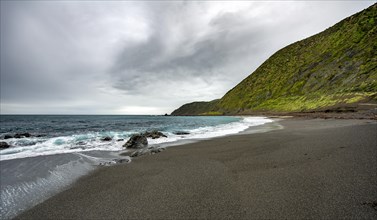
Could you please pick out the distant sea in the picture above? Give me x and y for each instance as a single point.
(62, 148)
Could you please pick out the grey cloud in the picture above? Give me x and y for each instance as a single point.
(206, 55)
(114, 57)
(229, 38)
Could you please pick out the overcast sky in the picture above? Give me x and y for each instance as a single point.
(143, 57)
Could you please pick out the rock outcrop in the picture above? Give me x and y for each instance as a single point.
(7, 136)
(22, 135)
(154, 134)
(106, 139)
(136, 141)
(4, 145)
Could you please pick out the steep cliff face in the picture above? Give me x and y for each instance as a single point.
(335, 67)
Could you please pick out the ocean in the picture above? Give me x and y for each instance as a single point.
(63, 148)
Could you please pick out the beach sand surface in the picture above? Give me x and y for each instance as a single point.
(313, 168)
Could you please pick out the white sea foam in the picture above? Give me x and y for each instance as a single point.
(214, 131)
(17, 197)
(31, 147)
(59, 145)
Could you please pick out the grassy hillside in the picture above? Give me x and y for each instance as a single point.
(198, 108)
(336, 66)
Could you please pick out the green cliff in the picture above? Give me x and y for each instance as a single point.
(335, 67)
(198, 108)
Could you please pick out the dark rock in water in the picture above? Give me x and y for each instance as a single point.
(4, 145)
(136, 141)
(166, 114)
(121, 139)
(7, 136)
(154, 134)
(22, 135)
(106, 139)
(81, 143)
(41, 135)
(26, 135)
(181, 133)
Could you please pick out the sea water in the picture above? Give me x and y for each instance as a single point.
(64, 147)
(57, 134)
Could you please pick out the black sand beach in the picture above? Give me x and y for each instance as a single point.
(310, 169)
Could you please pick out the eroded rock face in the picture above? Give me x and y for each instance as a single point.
(136, 141)
(4, 145)
(154, 134)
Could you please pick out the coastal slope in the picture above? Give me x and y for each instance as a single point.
(336, 67)
(198, 108)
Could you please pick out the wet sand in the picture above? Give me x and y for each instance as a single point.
(313, 168)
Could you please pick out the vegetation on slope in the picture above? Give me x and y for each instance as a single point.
(336, 66)
(198, 108)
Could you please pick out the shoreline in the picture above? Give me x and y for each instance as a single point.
(313, 168)
(23, 188)
(69, 144)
